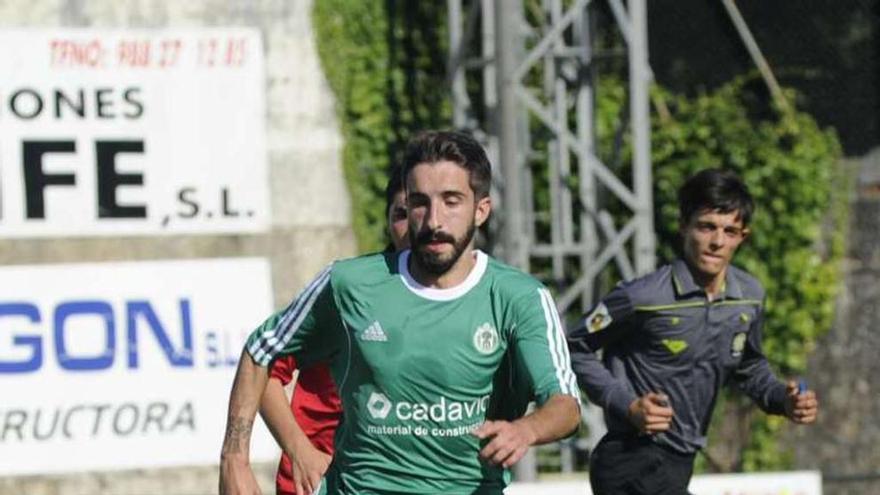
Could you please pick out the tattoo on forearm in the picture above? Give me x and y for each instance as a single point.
(238, 432)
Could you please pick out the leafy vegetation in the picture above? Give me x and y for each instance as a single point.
(385, 62)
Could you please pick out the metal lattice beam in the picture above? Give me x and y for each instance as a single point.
(534, 109)
(540, 73)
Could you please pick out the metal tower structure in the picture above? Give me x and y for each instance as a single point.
(523, 75)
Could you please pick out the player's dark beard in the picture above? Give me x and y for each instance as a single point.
(435, 263)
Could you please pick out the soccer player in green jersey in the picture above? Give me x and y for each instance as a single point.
(415, 342)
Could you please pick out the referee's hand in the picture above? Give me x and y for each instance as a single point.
(800, 407)
(651, 413)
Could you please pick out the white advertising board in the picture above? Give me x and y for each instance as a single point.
(779, 483)
(134, 132)
(124, 365)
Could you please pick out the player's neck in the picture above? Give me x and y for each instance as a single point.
(456, 274)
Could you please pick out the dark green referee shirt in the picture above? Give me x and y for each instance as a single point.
(661, 334)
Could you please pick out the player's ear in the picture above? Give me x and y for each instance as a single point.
(482, 210)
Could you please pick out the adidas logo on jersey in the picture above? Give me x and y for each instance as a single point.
(374, 333)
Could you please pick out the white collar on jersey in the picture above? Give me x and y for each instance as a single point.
(449, 294)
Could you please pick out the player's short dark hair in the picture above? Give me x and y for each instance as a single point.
(456, 147)
(394, 186)
(715, 189)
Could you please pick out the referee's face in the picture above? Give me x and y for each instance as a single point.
(443, 214)
(710, 241)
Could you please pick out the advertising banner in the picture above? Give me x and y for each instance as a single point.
(775, 483)
(124, 365)
(134, 132)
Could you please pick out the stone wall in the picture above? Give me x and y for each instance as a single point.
(845, 367)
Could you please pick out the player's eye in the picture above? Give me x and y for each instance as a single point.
(452, 200)
(732, 232)
(706, 227)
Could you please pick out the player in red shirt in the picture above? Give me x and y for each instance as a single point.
(315, 404)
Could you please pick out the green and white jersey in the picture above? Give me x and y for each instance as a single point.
(416, 367)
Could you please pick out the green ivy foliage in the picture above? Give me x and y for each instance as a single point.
(789, 165)
(385, 62)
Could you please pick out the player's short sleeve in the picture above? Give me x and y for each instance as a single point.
(308, 329)
(542, 352)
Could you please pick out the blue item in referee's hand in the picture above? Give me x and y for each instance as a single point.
(802, 386)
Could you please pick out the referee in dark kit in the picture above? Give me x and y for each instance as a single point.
(671, 340)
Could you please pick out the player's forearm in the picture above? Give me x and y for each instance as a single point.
(247, 389)
(275, 410)
(557, 418)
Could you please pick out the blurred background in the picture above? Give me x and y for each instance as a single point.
(170, 172)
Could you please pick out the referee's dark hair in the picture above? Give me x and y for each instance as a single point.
(715, 189)
(453, 146)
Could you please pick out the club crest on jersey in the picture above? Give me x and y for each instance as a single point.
(599, 319)
(738, 344)
(486, 338)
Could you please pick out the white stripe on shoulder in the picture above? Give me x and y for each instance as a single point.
(309, 295)
(273, 340)
(547, 305)
(563, 346)
(269, 338)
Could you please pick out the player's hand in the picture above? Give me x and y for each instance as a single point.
(309, 466)
(236, 477)
(651, 413)
(507, 441)
(800, 407)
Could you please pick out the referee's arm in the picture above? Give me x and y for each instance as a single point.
(607, 322)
